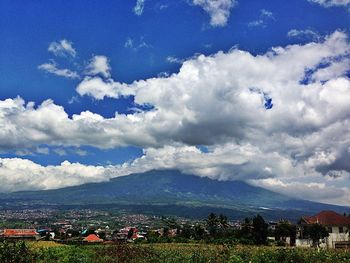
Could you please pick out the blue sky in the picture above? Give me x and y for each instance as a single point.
(47, 53)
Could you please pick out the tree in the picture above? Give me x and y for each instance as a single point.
(152, 236)
(102, 234)
(72, 233)
(223, 221)
(171, 223)
(130, 233)
(165, 231)
(316, 232)
(245, 232)
(259, 230)
(285, 229)
(18, 252)
(87, 232)
(212, 224)
(186, 231)
(199, 232)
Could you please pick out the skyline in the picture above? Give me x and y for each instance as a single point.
(231, 90)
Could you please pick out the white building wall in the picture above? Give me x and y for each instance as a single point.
(336, 237)
(329, 242)
(303, 242)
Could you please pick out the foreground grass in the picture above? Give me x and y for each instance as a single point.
(189, 253)
(173, 253)
(37, 245)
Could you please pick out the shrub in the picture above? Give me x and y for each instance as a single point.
(15, 252)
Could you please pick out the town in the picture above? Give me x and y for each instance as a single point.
(326, 229)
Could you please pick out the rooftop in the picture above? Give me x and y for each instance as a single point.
(20, 232)
(93, 238)
(328, 218)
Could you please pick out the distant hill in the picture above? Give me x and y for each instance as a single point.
(170, 192)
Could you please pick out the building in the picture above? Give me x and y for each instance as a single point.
(137, 236)
(337, 225)
(20, 234)
(92, 238)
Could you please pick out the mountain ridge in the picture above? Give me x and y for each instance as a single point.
(163, 188)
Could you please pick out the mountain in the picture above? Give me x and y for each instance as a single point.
(170, 192)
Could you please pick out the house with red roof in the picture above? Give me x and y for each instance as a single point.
(92, 238)
(337, 225)
(137, 236)
(19, 234)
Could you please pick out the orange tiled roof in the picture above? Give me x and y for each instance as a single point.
(92, 238)
(20, 232)
(328, 218)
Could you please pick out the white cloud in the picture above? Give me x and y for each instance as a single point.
(62, 48)
(265, 15)
(99, 65)
(175, 60)
(320, 192)
(60, 151)
(138, 9)
(307, 33)
(43, 150)
(98, 88)
(73, 99)
(51, 67)
(222, 162)
(256, 23)
(218, 10)
(162, 6)
(221, 101)
(196, 105)
(136, 45)
(20, 174)
(81, 152)
(331, 3)
(129, 43)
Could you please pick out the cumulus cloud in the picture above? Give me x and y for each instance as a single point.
(330, 3)
(52, 68)
(218, 10)
(62, 48)
(99, 65)
(22, 174)
(320, 192)
(222, 162)
(282, 115)
(138, 9)
(198, 105)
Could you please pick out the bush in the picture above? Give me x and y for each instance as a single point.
(166, 252)
(65, 254)
(15, 252)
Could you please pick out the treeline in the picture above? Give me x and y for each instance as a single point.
(215, 229)
(252, 231)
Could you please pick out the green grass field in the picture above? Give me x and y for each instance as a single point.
(172, 252)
